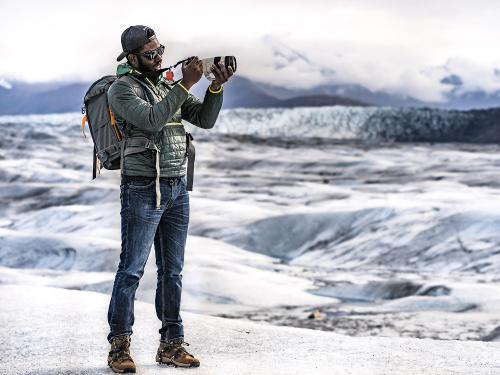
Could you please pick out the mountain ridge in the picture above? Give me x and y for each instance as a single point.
(18, 97)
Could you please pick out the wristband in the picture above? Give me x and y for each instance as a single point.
(214, 92)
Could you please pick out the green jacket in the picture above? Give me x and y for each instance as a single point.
(158, 118)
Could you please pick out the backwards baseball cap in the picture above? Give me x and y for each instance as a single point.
(135, 37)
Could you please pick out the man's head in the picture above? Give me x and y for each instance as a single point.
(138, 44)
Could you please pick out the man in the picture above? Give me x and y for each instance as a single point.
(155, 211)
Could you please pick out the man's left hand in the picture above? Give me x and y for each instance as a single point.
(221, 74)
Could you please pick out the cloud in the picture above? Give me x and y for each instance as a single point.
(463, 75)
(452, 79)
(403, 47)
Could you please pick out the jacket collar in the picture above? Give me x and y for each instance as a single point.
(126, 68)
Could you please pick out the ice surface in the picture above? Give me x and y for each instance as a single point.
(372, 124)
(55, 331)
(370, 237)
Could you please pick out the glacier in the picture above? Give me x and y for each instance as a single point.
(365, 123)
(362, 221)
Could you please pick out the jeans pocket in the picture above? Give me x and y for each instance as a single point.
(141, 184)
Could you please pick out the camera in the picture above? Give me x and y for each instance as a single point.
(229, 61)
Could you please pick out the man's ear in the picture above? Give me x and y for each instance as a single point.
(132, 59)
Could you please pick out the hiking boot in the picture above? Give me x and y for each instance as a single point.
(173, 353)
(119, 358)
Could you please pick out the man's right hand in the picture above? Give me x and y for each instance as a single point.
(191, 72)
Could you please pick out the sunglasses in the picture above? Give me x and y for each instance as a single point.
(150, 55)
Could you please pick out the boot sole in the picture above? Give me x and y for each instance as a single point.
(176, 364)
(124, 371)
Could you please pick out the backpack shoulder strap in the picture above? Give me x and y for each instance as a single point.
(138, 87)
(132, 145)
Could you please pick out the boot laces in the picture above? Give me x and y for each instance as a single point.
(177, 345)
(121, 349)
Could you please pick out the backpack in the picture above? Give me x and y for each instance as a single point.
(109, 138)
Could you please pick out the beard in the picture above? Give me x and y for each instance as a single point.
(146, 70)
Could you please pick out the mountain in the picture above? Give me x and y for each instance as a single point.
(284, 62)
(459, 93)
(59, 97)
(473, 99)
(350, 91)
(317, 101)
(249, 94)
(26, 98)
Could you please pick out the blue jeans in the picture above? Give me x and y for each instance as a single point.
(142, 224)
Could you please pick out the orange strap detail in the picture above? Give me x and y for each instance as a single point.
(113, 124)
(84, 120)
(112, 117)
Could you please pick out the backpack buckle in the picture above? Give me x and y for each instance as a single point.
(151, 145)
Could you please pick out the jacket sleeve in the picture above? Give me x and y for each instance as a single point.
(124, 101)
(202, 115)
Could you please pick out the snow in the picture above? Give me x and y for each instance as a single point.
(54, 331)
(370, 124)
(395, 240)
(5, 84)
(217, 277)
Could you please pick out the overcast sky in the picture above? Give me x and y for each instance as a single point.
(404, 47)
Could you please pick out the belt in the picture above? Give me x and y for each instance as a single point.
(126, 178)
(140, 143)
